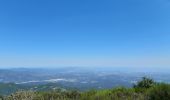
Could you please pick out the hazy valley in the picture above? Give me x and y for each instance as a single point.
(76, 78)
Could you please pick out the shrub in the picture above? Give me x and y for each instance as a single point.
(21, 95)
(1, 97)
(159, 92)
(144, 83)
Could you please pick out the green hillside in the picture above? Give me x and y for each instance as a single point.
(146, 89)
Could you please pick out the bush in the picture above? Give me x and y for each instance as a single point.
(159, 92)
(144, 83)
(1, 97)
(21, 95)
(119, 93)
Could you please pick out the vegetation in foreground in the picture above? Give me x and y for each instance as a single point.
(146, 89)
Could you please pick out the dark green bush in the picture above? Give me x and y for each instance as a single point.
(159, 92)
(145, 83)
(1, 97)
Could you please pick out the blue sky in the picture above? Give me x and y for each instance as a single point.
(35, 33)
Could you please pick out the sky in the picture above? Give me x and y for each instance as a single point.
(52, 33)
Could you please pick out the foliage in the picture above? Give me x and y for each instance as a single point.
(113, 94)
(21, 95)
(145, 83)
(159, 92)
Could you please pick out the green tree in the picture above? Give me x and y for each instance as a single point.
(145, 83)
